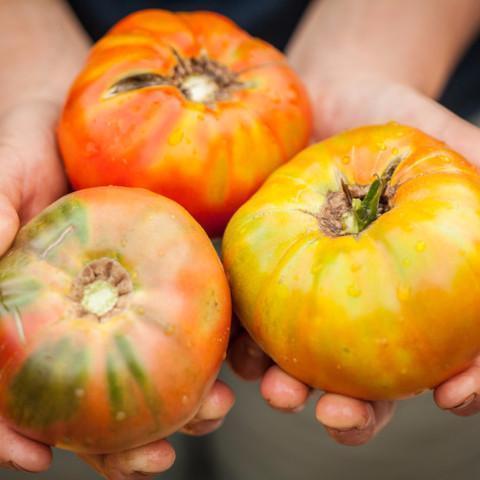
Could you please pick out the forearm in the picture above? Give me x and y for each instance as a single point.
(41, 50)
(409, 41)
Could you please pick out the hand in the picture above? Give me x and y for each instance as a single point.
(356, 83)
(349, 421)
(144, 462)
(31, 178)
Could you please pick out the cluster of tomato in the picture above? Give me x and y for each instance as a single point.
(354, 266)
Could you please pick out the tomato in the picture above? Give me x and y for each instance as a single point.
(356, 266)
(114, 320)
(187, 105)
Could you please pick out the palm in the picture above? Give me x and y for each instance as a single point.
(31, 178)
(32, 175)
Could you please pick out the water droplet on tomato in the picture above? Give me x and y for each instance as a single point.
(168, 329)
(120, 416)
(184, 399)
(346, 159)
(91, 148)
(403, 293)
(79, 392)
(354, 291)
(295, 360)
(395, 151)
(292, 95)
(382, 147)
(338, 366)
(176, 137)
(420, 246)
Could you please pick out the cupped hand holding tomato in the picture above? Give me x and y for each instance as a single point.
(32, 178)
(28, 152)
(353, 87)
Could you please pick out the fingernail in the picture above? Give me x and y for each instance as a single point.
(298, 409)
(363, 425)
(470, 399)
(11, 465)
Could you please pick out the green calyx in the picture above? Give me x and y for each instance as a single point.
(365, 211)
(352, 209)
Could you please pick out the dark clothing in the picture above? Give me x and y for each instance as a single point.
(274, 21)
(462, 94)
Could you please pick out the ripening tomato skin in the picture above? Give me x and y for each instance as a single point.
(208, 156)
(383, 314)
(104, 383)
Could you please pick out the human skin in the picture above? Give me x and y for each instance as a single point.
(373, 62)
(346, 94)
(44, 48)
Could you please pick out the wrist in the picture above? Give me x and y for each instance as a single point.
(44, 48)
(409, 42)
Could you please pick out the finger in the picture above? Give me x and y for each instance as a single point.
(20, 453)
(203, 427)
(350, 421)
(9, 223)
(247, 359)
(32, 174)
(461, 394)
(348, 108)
(214, 408)
(218, 403)
(138, 463)
(282, 391)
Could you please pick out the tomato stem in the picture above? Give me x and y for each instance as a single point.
(99, 297)
(351, 209)
(200, 79)
(365, 211)
(102, 288)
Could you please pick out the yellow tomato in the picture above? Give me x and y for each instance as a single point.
(356, 266)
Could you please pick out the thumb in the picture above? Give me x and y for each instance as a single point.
(9, 223)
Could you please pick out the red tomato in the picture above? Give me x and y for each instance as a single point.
(114, 320)
(187, 105)
(356, 265)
